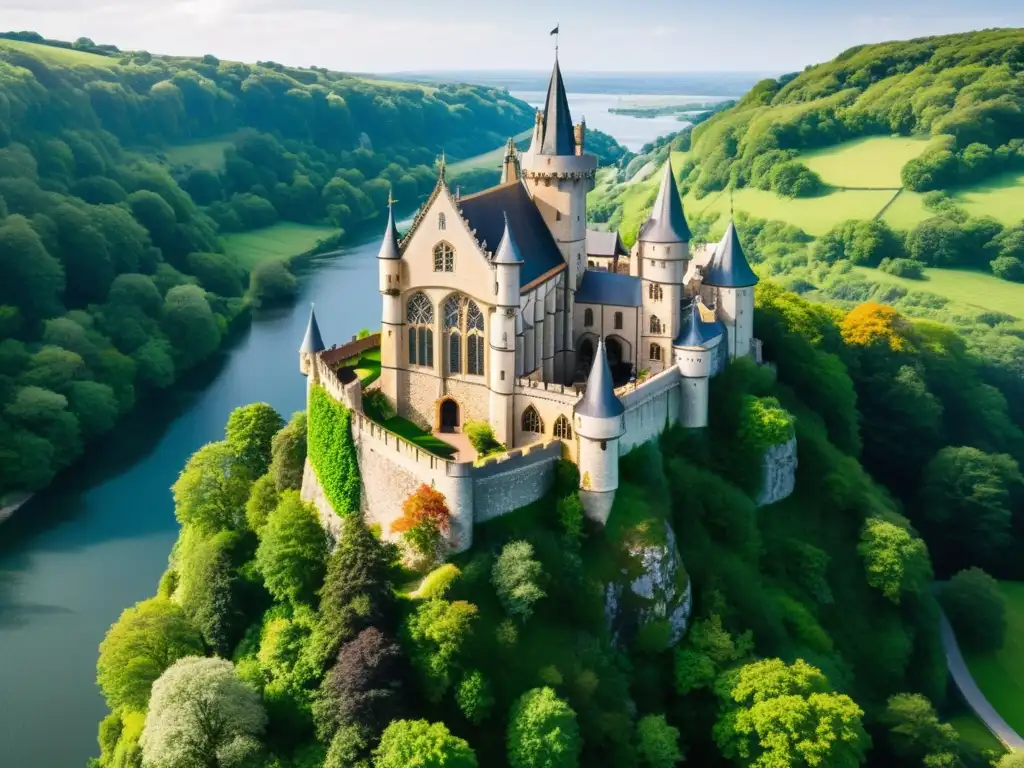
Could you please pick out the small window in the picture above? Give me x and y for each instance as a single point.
(502, 375)
(444, 258)
(588, 317)
(618, 321)
(655, 324)
(563, 429)
(440, 221)
(654, 292)
(495, 287)
(558, 215)
(655, 352)
(604, 445)
(531, 421)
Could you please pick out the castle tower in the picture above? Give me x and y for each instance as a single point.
(389, 263)
(729, 284)
(559, 175)
(694, 350)
(502, 369)
(599, 425)
(662, 255)
(510, 165)
(312, 345)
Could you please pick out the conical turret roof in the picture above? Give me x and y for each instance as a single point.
(728, 267)
(667, 222)
(559, 138)
(312, 342)
(599, 401)
(508, 251)
(389, 248)
(694, 331)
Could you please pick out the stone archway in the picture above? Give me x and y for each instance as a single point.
(448, 416)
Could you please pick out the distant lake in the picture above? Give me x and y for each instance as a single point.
(630, 131)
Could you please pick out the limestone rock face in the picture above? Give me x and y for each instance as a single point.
(779, 473)
(655, 588)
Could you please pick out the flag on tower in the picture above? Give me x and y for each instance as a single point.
(554, 31)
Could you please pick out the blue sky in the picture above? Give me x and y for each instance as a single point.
(597, 35)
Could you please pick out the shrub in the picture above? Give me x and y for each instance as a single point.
(764, 422)
(377, 406)
(570, 517)
(515, 578)
(481, 436)
(437, 582)
(657, 742)
(976, 609)
(542, 732)
(1008, 268)
(474, 697)
(425, 522)
(908, 268)
(332, 452)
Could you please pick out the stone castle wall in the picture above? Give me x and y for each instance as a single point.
(650, 408)
(419, 394)
(503, 486)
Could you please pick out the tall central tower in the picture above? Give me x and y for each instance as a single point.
(559, 174)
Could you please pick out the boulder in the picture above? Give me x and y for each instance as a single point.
(778, 473)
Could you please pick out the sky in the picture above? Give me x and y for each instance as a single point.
(596, 35)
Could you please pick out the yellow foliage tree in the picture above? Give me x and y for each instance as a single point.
(871, 323)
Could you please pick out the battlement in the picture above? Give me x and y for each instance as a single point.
(357, 346)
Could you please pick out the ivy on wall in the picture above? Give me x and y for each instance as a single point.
(332, 452)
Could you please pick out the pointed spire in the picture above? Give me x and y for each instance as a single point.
(389, 248)
(538, 133)
(508, 251)
(694, 330)
(667, 222)
(728, 267)
(510, 165)
(312, 342)
(559, 138)
(599, 401)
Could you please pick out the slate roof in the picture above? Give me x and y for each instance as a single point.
(667, 222)
(605, 244)
(559, 137)
(729, 268)
(508, 251)
(312, 342)
(693, 330)
(599, 401)
(599, 287)
(486, 212)
(389, 247)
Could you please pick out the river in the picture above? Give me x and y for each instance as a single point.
(95, 543)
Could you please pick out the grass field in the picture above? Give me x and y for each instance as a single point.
(425, 440)
(814, 215)
(974, 291)
(1001, 675)
(1001, 197)
(208, 153)
(281, 241)
(490, 159)
(974, 732)
(874, 161)
(63, 56)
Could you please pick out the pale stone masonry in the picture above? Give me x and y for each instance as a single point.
(495, 309)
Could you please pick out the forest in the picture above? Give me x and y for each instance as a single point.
(813, 638)
(114, 280)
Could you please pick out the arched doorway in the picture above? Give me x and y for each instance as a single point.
(585, 355)
(613, 349)
(449, 416)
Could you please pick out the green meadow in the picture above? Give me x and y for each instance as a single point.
(63, 56)
(874, 161)
(280, 241)
(206, 153)
(972, 290)
(1001, 675)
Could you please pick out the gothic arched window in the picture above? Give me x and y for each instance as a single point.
(618, 321)
(654, 291)
(563, 429)
(440, 221)
(655, 352)
(655, 324)
(444, 257)
(531, 421)
(474, 340)
(419, 314)
(588, 318)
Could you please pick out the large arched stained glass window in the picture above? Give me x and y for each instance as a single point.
(419, 314)
(452, 313)
(531, 421)
(474, 340)
(444, 257)
(563, 429)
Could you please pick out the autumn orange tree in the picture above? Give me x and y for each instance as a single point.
(425, 521)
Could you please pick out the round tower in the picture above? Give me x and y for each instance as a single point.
(694, 351)
(389, 267)
(729, 282)
(502, 368)
(661, 257)
(312, 345)
(599, 418)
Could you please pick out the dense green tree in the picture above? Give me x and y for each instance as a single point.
(708, 649)
(263, 499)
(515, 577)
(542, 732)
(208, 589)
(212, 489)
(272, 283)
(200, 708)
(288, 453)
(976, 608)
(216, 273)
(293, 550)
(154, 362)
(250, 431)
(657, 742)
(190, 325)
(30, 278)
(896, 562)
(85, 255)
(778, 714)
(142, 643)
(435, 635)
(474, 697)
(95, 406)
(916, 733)
(419, 744)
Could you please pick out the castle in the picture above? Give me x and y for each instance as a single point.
(503, 307)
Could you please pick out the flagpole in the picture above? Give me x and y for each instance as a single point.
(558, 27)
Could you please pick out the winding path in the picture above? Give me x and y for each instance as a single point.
(972, 693)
